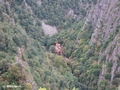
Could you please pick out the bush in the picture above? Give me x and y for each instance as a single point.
(116, 81)
(18, 2)
(76, 72)
(60, 61)
(108, 76)
(2, 46)
(96, 72)
(94, 1)
(103, 84)
(117, 75)
(2, 55)
(28, 86)
(110, 64)
(52, 49)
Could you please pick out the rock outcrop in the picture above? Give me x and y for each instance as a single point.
(105, 18)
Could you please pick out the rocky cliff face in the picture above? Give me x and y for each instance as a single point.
(105, 18)
(20, 22)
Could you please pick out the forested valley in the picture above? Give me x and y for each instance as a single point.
(88, 32)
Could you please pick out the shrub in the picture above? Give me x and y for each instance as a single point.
(116, 81)
(96, 72)
(103, 58)
(110, 64)
(28, 86)
(2, 55)
(108, 76)
(18, 2)
(60, 61)
(117, 75)
(52, 49)
(76, 72)
(103, 84)
(94, 1)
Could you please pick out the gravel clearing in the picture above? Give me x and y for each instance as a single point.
(49, 30)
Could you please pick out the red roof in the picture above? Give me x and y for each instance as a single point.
(58, 45)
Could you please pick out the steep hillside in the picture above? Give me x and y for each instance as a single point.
(106, 21)
(14, 43)
(24, 60)
(94, 46)
(89, 34)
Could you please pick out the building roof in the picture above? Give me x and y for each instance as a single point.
(58, 45)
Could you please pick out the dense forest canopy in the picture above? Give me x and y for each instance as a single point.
(58, 12)
(89, 58)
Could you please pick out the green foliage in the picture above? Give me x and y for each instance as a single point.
(116, 81)
(103, 58)
(19, 2)
(56, 13)
(20, 27)
(103, 84)
(105, 45)
(117, 74)
(109, 64)
(108, 76)
(60, 61)
(74, 88)
(52, 49)
(28, 86)
(96, 72)
(10, 74)
(42, 88)
(94, 1)
(118, 62)
(2, 55)
(118, 4)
